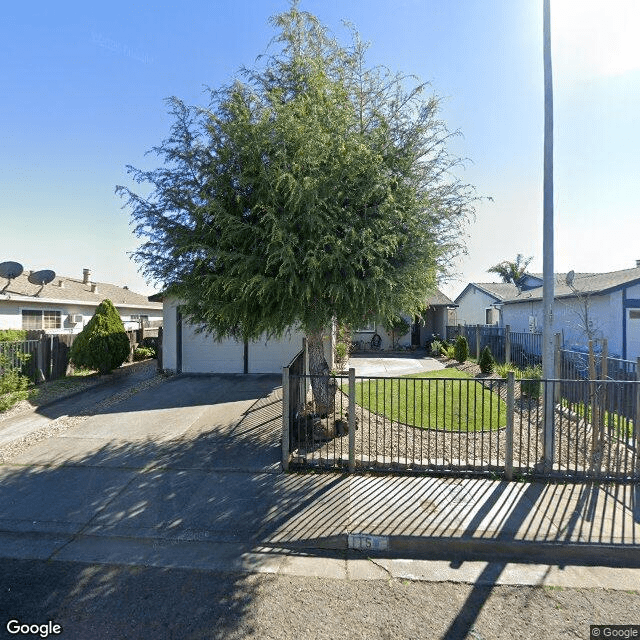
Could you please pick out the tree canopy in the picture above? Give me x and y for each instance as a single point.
(512, 271)
(313, 187)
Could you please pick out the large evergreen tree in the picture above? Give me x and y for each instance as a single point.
(312, 188)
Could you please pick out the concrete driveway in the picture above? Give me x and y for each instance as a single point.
(392, 364)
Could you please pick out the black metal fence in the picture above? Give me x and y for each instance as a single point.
(469, 426)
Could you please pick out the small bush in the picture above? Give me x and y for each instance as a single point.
(13, 385)
(143, 353)
(449, 351)
(461, 349)
(487, 363)
(436, 348)
(103, 344)
(531, 385)
(503, 369)
(342, 352)
(13, 335)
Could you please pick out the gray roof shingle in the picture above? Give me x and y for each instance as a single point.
(75, 290)
(439, 299)
(585, 283)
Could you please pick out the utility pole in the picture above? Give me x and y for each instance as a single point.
(547, 245)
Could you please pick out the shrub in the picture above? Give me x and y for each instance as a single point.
(103, 344)
(342, 353)
(531, 385)
(398, 327)
(143, 353)
(503, 369)
(449, 351)
(13, 385)
(13, 335)
(487, 363)
(436, 348)
(461, 352)
(343, 344)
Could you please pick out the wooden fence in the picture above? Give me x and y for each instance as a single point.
(48, 355)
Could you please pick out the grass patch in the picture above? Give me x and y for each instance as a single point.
(54, 389)
(457, 403)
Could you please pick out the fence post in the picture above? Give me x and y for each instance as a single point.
(285, 419)
(305, 370)
(508, 447)
(636, 422)
(507, 344)
(352, 419)
(595, 443)
(477, 342)
(41, 357)
(557, 365)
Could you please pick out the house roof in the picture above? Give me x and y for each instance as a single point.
(438, 299)
(584, 283)
(64, 289)
(498, 290)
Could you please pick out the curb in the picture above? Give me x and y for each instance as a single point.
(474, 549)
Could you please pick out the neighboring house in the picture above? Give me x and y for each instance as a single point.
(65, 305)
(600, 305)
(480, 302)
(185, 350)
(440, 311)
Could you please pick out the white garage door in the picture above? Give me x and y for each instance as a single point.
(633, 334)
(202, 354)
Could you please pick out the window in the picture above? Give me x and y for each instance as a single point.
(634, 314)
(47, 319)
(370, 327)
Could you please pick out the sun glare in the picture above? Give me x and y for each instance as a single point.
(596, 37)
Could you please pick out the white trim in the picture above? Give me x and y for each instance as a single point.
(88, 303)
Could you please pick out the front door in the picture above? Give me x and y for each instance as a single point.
(415, 332)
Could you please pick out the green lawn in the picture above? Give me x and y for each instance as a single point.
(458, 403)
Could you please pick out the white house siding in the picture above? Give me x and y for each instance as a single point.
(605, 313)
(11, 314)
(10, 317)
(472, 307)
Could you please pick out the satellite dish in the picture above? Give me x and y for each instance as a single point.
(10, 270)
(570, 277)
(42, 277)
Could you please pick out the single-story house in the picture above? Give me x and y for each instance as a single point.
(596, 305)
(65, 305)
(480, 302)
(440, 312)
(185, 350)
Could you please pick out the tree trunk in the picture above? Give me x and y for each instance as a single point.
(323, 392)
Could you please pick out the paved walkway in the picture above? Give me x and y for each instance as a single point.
(187, 474)
(388, 365)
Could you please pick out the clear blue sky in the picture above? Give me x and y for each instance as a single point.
(83, 86)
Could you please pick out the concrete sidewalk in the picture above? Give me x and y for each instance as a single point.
(187, 474)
